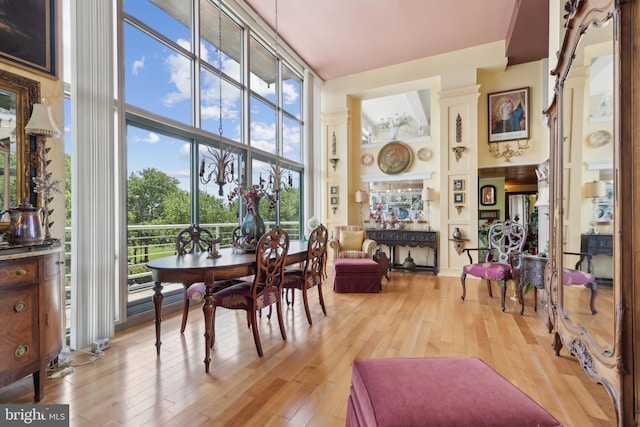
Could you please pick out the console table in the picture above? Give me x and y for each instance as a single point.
(598, 244)
(410, 238)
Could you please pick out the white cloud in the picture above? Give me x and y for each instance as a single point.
(151, 138)
(180, 70)
(137, 65)
(289, 93)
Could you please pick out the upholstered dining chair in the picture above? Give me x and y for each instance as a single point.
(505, 239)
(264, 290)
(312, 272)
(194, 239)
(350, 241)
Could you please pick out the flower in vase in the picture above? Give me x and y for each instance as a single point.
(249, 195)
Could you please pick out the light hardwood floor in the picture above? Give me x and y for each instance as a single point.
(305, 380)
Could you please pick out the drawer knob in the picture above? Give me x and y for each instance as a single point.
(19, 306)
(21, 350)
(21, 272)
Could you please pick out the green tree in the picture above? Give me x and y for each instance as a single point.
(150, 192)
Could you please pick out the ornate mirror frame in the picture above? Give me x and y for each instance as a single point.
(610, 365)
(27, 93)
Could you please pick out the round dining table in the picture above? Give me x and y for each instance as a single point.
(201, 267)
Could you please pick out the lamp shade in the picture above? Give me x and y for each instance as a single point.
(594, 189)
(361, 196)
(428, 194)
(41, 122)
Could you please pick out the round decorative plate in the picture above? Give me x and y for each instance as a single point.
(366, 159)
(600, 138)
(424, 154)
(394, 158)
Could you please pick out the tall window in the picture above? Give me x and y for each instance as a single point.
(185, 87)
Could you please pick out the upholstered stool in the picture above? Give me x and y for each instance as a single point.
(448, 391)
(356, 275)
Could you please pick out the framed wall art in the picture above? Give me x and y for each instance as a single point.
(488, 195)
(489, 214)
(333, 189)
(458, 184)
(458, 197)
(334, 200)
(509, 115)
(28, 40)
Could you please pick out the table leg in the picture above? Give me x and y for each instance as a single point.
(207, 309)
(157, 302)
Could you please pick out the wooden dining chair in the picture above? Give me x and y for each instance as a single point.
(195, 239)
(312, 273)
(264, 290)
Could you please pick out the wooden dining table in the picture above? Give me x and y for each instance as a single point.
(200, 267)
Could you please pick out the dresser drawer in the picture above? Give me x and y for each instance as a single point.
(18, 271)
(19, 330)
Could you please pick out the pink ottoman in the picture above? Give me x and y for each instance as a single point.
(356, 275)
(447, 391)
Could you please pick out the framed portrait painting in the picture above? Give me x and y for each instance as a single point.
(509, 115)
(27, 38)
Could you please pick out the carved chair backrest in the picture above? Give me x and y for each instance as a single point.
(192, 238)
(316, 251)
(271, 253)
(505, 238)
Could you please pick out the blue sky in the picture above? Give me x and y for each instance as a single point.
(158, 79)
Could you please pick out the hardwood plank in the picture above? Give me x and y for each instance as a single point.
(305, 380)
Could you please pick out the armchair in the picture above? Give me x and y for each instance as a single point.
(350, 241)
(582, 276)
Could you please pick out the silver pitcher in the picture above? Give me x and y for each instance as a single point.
(26, 224)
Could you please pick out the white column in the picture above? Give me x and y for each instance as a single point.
(93, 214)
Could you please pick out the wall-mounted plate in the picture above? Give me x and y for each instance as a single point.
(366, 159)
(424, 154)
(394, 158)
(600, 138)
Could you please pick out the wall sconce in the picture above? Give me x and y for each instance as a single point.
(222, 167)
(361, 197)
(508, 152)
(41, 124)
(594, 190)
(334, 149)
(428, 194)
(278, 182)
(458, 152)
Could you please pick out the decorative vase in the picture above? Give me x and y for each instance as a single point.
(408, 263)
(457, 235)
(393, 132)
(252, 227)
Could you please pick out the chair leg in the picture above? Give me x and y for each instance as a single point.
(593, 287)
(213, 328)
(256, 335)
(503, 291)
(489, 288)
(464, 288)
(324, 310)
(281, 320)
(305, 300)
(185, 312)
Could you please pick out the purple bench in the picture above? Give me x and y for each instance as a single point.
(356, 275)
(447, 391)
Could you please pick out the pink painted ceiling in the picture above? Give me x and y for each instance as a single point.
(342, 37)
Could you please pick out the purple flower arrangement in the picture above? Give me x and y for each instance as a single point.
(250, 194)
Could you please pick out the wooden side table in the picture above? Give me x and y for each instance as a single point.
(383, 261)
(530, 271)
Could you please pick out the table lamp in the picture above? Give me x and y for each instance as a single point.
(428, 194)
(594, 190)
(361, 197)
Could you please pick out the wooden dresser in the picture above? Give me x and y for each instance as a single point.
(30, 313)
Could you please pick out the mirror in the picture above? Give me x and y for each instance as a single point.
(402, 198)
(587, 161)
(17, 95)
(583, 213)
